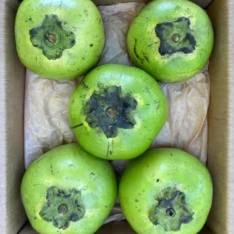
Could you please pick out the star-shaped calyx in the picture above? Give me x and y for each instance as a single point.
(175, 37)
(62, 207)
(171, 211)
(109, 110)
(51, 37)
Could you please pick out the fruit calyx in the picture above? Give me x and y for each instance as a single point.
(109, 110)
(171, 210)
(175, 37)
(62, 207)
(51, 37)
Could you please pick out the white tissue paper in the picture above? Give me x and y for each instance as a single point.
(46, 102)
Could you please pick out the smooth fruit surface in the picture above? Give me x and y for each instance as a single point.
(171, 39)
(166, 191)
(117, 111)
(68, 191)
(59, 39)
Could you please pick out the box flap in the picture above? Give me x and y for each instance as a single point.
(11, 124)
(221, 118)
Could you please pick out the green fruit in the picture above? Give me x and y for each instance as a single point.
(166, 191)
(68, 191)
(59, 39)
(117, 111)
(171, 39)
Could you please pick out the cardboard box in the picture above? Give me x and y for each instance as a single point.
(221, 123)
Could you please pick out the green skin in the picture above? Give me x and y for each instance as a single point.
(59, 39)
(90, 182)
(148, 114)
(144, 43)
(147, 197)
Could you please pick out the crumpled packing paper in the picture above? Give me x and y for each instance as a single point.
(46, 102)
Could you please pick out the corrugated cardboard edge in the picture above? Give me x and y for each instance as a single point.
(112, 228)
(202, 3)
(221, 118)
(11, 124)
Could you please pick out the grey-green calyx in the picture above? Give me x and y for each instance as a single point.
(62, 207)
(51, 37)
(108, 110)
(171, 211)
(175, 37)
